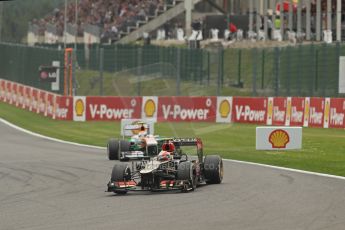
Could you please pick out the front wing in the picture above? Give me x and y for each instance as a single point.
(165, 185)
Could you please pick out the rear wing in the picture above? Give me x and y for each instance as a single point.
(130, 127)
(187, 142)
(190, 142)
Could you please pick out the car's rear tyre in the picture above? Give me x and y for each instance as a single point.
(186, 171)
(113, 149)
(120, 172)
(213, 169)
(124, 145)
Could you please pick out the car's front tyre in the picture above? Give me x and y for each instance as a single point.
(113, 149)
(213, 169)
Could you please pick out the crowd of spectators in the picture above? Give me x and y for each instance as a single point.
(112, 16)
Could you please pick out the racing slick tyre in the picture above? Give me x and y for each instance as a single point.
(120, 172)
(186, 171)
(113, 149)
(213, 169)
(124, 147)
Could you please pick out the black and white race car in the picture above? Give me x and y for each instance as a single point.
(172, 169)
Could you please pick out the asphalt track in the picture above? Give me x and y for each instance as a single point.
(48, 185)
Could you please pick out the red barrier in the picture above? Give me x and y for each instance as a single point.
(19, 96)
(290, 111)
(41, 104)
(296, 111)
(27, 97)
(279, 111)
(113, 108)
(249, 110)
(14, 90)
(34, 100)
(2, 89)
(64, 108)
(187, 109)
(316, 112)
(336, 113)
(8, 89)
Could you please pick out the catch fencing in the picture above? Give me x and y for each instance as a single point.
(137, 70)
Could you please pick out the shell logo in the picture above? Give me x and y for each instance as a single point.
(149, 108)
(288, 108)
(270, 108)
(279, 138)
(306, 113)
(79, 107)
(224, 108)
(326, 115)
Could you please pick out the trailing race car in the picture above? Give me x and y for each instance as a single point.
(140, 145)
(172, 169)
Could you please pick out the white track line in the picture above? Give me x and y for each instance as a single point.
(229, 160)
(47, 138)
(287, 169)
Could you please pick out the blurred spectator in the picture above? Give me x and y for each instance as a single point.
(233, 31)
(112, 16)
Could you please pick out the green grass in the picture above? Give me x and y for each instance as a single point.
(125, 84)
(323, 149)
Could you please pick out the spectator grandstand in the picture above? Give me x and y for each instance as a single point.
(115, 19)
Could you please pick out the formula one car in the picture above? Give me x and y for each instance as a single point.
(139, 146)
(172, 169)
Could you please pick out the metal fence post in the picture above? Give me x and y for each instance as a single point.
(311, 74)
(178, 71)
(239, 66)
(263, 69)
(74, 67)
(316, 80)
(139, 72)
(116, 68)
(337, 70)
(101, 65)
(299, 78)
(255, 68)
(324, 69)
(276, 72)
(288, 80)
(208, 67)
(220, 70)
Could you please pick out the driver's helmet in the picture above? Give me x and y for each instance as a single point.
(169, 146)
(164, 156)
